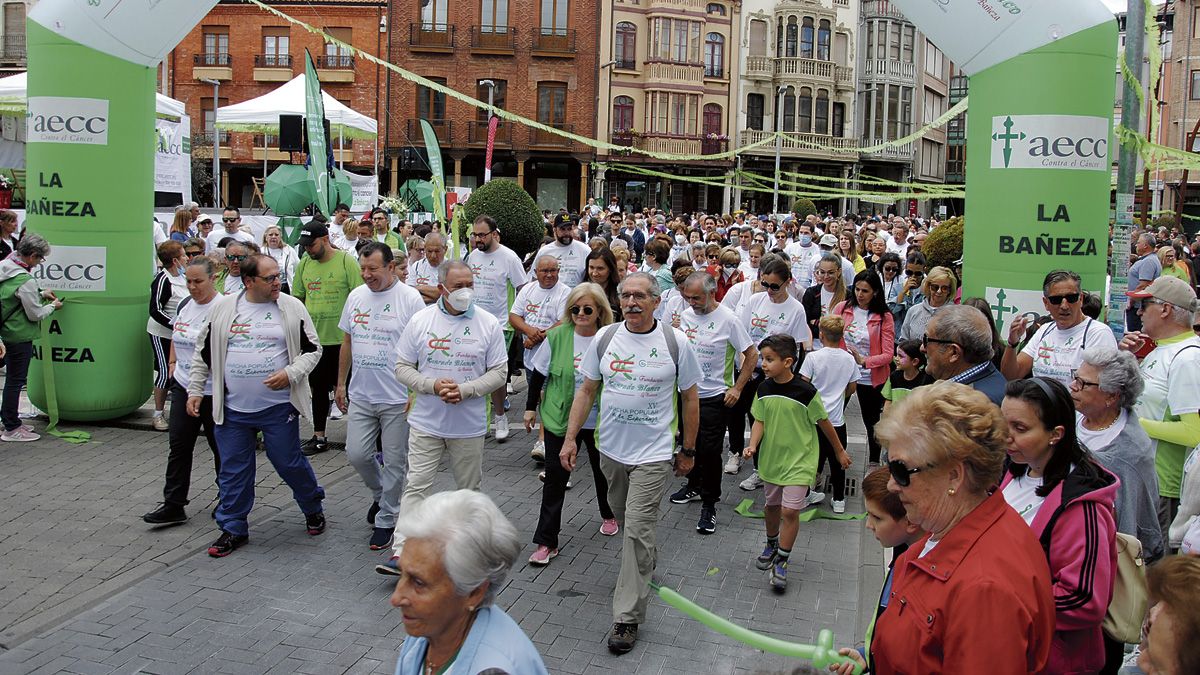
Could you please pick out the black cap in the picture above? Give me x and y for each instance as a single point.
(312, 232)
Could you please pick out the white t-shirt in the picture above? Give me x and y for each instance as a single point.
(540, 361)
(421, 273)
(374, 322)
(460, 348)
(736, 297)
(763, 317)
(495, 274)
(671, 306)
(858, 336)
(1098, 440)
(1021, 496)
(1056, 352)
(215, 237)
(540, 307)
(233, 285)
(718, 339)
(257, 347)
(638, 420)
(830, 370)
(190, 318)
(572, 261)
(802, 260)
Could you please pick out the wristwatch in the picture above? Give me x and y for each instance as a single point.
(690, 453)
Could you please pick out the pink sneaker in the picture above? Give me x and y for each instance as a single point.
(543, 555)
(19, 435)
(609, 527)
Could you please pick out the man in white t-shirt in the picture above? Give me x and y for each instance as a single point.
(721, 343)
(1056, 349)
(450, 356)
(803, 256)
(423, 274)
(899, 240)
(498, 274)
(231, 218)
(373, 319)
(644, 363)
(259, 347)
(570, 252)
(537, 308)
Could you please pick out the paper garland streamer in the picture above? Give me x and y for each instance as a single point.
(746, 509)
(821, 654)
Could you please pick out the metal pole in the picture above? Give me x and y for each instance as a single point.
(340, 149)
(216, 179)
(779, 145)
(487, 170)
(1135, 31)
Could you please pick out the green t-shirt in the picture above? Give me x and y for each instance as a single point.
(1178, 272)
(897, 386)
(324, 287)
(788, 452)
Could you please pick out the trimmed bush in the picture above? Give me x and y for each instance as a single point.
(945, 244)
(804, 207)
(520, 220)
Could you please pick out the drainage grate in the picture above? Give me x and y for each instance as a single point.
(851, 486)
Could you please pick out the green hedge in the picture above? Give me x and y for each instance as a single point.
(520, 221)
(804, 207)
(945, 244)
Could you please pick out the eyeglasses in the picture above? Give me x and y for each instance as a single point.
(193, 254)
(480, 235)
(636, 297)
(1071, 298)
(586, 311)
(890, 268)
(1079, 384)
(231, 220)
(770, 286)
(925, 340)
(914, 274)
(235, 258)
(270, 278)
(940, 288)
(902, 474)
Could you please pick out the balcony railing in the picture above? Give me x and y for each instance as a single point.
(712, 146)
(689, 73)
(213, 60)
(759, 67)
(881, 9)
(809, 145)
(792, 66)
(626, 64)
(431, 35)
(206, 137)
(623, 137)
(545, 139)
(494, 38)
(14, 48)
(902, 153)
(335, 61)
(272, 60)
(477, 131)
(893, 69)
(554, 41)
(441, 128)
(270, 141)
(714, 70)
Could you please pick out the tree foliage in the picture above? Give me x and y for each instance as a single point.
(945, 244)
(520, 221)
(804, 207)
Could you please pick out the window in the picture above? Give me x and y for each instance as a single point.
(679, 43)
(431, 105)
(216, 39)
(906, 101)
(806, 106)
(956, 128)
(1194, 92)
(823, 34)
(675, 40)
(715, 8)
(909, 34)
(672, 113)
(934, 61)
(935, 105)
(789, 110)
(494, 14)
(554, 17)
(878, 101)
(754, 111)
(714, 55)
(434, 16)
(758, 38)
(626, 46)
(881, 39)
(336, 56)
(622, 114)
(839, 120)
(499, 94)
(894, 42)
(792, 39)
(14, 30)
(712, 119)
(276, 43)
(206, 114)
(893, 112)
(870, 40)
(806, 39)
(822, 113)
(552, 103)
(679, 115)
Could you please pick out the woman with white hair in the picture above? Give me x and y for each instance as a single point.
(274, 246)
(1105, 388)
(458, 550)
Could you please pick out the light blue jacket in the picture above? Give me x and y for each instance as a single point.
(495, 641)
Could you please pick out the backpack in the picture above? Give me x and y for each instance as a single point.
(1130, 598)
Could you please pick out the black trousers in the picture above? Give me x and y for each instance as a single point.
(836, 472)
(870, 402)
(322, 381)
(715, 418)
(183, 430)
(554, 488)
(742, 411)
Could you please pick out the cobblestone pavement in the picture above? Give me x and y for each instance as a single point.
(86, 587)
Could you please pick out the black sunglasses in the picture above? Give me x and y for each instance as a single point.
(1071, 298)
(770, 286)
(587, 311)
(925, 340)
(890, 268)
(901, 473)
(231, 220)
(915, 275)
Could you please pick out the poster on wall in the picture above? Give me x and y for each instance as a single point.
(365, 191)
(173, 157)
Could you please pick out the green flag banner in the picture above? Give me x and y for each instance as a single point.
(439, 174)
(314, 123)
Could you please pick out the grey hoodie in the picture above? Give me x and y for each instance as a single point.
(29, 294)
(1130, 457)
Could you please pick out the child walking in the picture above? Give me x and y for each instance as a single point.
(834, 372)
(909, 374)
(787, 412)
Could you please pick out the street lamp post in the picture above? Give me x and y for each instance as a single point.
(778, 145)
(216, 139)
(608, 114)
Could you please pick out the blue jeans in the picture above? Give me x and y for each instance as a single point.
(236, 441)
(17, 357)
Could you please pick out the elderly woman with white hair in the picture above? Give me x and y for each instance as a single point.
(458, 550)
(1105, 388)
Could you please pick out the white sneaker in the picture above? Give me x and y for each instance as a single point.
(751, 483)
(813, 498)
(501, 428)
(733, 464)
(19, 435)
(839, 506)
(335, 413)
(539, 451)
(511, 389)
(160, 422)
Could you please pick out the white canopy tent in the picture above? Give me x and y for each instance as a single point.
(261, 115)
(14, 92)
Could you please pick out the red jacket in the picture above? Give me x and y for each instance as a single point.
(1078, 532)
(979, 602)
(881, 329)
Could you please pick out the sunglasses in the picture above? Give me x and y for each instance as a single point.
(925, 340)
(939, 288)
(902, 474)
(230, 220)
(193, 254)
(236, 258)
(1071, 298)
(586, 311)
(915, 275)
(770, 286)
(890, 268)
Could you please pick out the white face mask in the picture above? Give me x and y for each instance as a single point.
(462, 299)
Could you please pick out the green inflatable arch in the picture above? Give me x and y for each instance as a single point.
(1038, 162)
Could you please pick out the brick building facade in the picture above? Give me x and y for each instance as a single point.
(251, 52)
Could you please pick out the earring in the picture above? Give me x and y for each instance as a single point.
(951, 492)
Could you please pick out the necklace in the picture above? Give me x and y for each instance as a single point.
(1106, 426)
